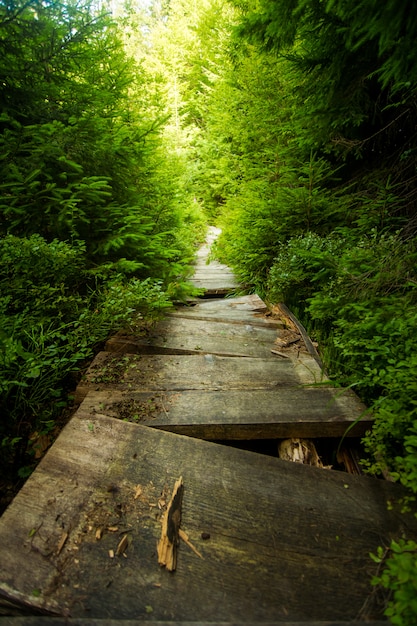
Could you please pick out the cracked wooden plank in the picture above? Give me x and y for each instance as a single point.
(286, 541)
(239, 414)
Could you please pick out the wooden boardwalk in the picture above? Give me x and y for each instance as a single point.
(262, 540)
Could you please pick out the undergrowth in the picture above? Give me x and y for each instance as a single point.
(54, 315)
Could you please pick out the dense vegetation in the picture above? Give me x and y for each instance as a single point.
(97, 223)
(293, 122)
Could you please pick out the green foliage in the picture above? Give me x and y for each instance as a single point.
(301, 266)
(361, 299)
(82, 154)
(400, 577)
(53, 316)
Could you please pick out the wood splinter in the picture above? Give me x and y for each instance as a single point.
(61, 542)
(171, 520)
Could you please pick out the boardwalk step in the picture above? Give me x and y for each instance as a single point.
(239, 414)
(179, 336)
(139, 372)
(243, 310)
(213, 277)
(278, 540)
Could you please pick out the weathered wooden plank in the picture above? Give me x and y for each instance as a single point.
(166, 372)
(129, 344)
(251, 302)
(212, 272)
(247, 309)
(215, 286)
(215, 275)
(220, 276)
(213, 328)
(282, 540)
(254, 414)
(190, 336)
(213, 267)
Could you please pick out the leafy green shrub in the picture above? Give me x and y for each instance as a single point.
(302, 266)
(53, 315)
(360, 297)
(399, 576)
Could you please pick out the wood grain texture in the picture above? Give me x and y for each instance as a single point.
(190, 336)
(239, 310)
(204, 372)
(286, 541)
(242, 414)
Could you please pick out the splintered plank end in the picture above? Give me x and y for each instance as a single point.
(171, 520)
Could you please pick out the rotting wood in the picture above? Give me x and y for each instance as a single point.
(237, 310)
(122, 545)
(349, 459)
(278, 353)
(171, 520)
(284, 310)
(61, 542)
(176, 335)
(256, 558)
(300, 451)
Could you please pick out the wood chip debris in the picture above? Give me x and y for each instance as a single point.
(183, 535)
(61, 542)
(285, 356)
(122, 546)
(288, 343)
(350, 460)
(171, 520)
(300, 450)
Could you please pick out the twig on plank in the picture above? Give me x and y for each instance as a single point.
(284, 356)
(186, 540)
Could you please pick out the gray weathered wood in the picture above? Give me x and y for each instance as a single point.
(286, 541)
(212, 269)
(254, 414)
(215, 286)
(251, 302)
(240, 310)
(189, 336)
(165, 372)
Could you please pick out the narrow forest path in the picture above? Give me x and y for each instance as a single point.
(262, 540)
